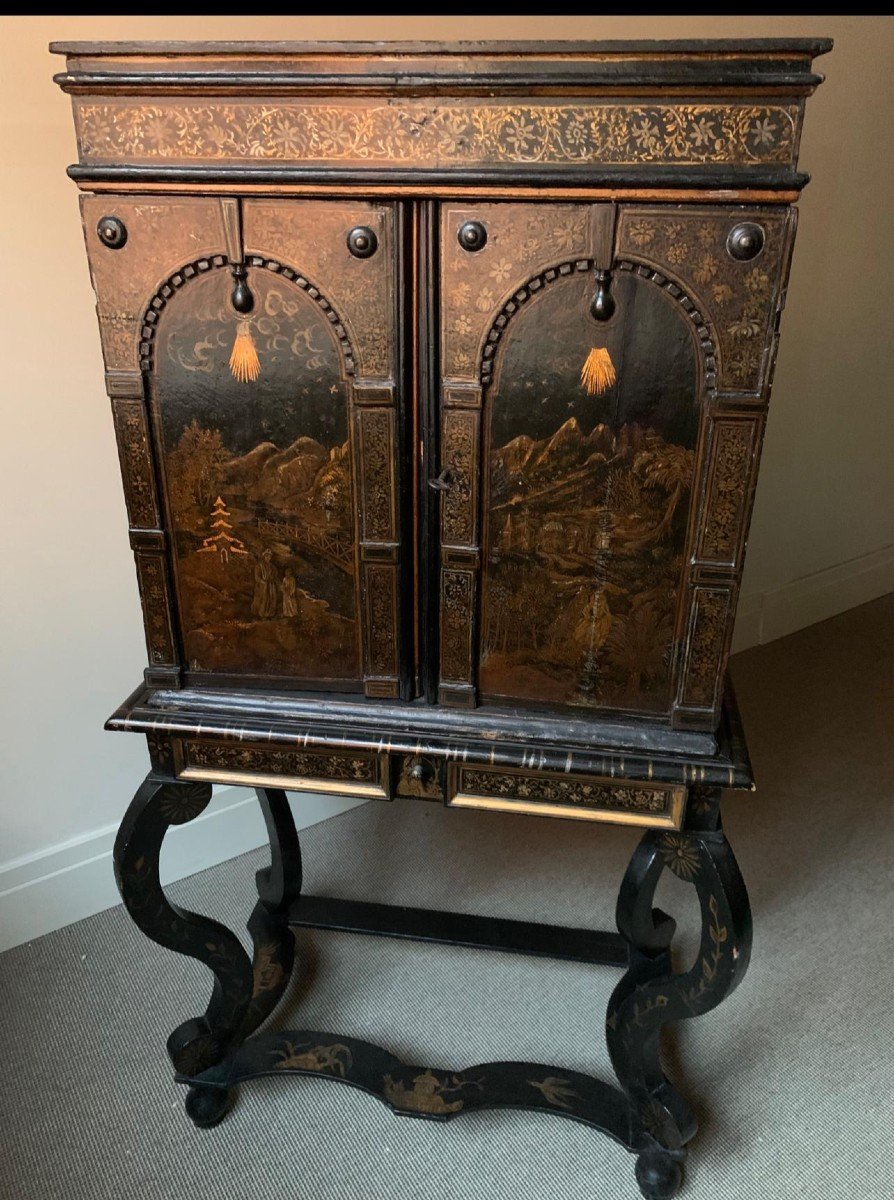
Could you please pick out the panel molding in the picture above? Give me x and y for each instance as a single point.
(562, 270)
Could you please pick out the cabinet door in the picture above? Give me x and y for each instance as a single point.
(599, 472)
(564, 530)
(279, 479)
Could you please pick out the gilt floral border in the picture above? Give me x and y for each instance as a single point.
(451, 134)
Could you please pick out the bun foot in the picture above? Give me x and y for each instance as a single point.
(207, 1106)
(659, 1176)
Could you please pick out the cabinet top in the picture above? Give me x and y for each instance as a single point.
(718, 115)
(810, 46)
(746, 62)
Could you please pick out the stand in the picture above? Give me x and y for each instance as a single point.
(215, 1052)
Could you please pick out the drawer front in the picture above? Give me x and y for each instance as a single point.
(580, 797)
(352, 773)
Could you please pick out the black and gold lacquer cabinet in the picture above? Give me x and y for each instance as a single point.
(439, 375)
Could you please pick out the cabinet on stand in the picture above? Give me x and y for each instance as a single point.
(439, 375)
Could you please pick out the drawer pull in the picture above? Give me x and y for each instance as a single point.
(602, 306)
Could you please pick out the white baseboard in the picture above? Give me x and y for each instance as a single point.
(65, 883)
(812, 598)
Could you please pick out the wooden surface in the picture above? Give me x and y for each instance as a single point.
(417, 501)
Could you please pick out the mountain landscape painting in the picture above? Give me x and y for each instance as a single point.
(258, 482)
(587, 503)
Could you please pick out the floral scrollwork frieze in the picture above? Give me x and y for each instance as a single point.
(621, 132)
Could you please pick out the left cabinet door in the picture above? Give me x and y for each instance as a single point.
(260, 449)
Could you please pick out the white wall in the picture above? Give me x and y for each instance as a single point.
(69, 617)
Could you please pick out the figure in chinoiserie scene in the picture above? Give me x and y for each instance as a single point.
(583, 627)
(595, 624)
(289, 595)
(265, 601)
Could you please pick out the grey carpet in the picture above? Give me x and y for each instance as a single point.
(791, 1076)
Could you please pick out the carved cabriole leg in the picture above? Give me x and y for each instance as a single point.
(201, 1041)
(650, 994)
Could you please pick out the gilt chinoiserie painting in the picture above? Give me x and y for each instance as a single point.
(258, 483)
(586, 499)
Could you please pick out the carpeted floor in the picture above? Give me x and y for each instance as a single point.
(791, 1075)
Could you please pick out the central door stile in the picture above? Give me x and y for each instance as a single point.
(456, 485)
(426, 281)
(405, 300)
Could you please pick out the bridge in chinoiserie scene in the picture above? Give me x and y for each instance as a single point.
(336, 547)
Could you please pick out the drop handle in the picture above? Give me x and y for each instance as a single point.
(602, 306)
(442, 482)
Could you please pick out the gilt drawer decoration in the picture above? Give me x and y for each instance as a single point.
(581, 797)
(354, 773)
(443, 135)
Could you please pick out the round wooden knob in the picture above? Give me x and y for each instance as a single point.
(421, 771)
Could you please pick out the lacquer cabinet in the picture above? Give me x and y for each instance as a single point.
(439, 375)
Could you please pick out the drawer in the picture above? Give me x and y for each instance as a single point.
(347, 773)
(555, 794)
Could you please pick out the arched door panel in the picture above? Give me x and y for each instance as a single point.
(258, 483)
(586, 500)
(571, 449)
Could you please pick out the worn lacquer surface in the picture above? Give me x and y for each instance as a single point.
(258, 483)
(587, 500)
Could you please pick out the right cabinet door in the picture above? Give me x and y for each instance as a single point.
(574, 454)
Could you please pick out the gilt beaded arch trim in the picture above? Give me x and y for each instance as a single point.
(201, 266)
(562, 271)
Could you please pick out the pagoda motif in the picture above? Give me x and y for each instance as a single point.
(222, 542)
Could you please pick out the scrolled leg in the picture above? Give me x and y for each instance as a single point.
(201, 1041)
(650, 994)
(279, 885)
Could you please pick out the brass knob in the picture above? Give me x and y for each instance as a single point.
(745, 241)
(111, 232)
(472, 236)
(362, 242)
